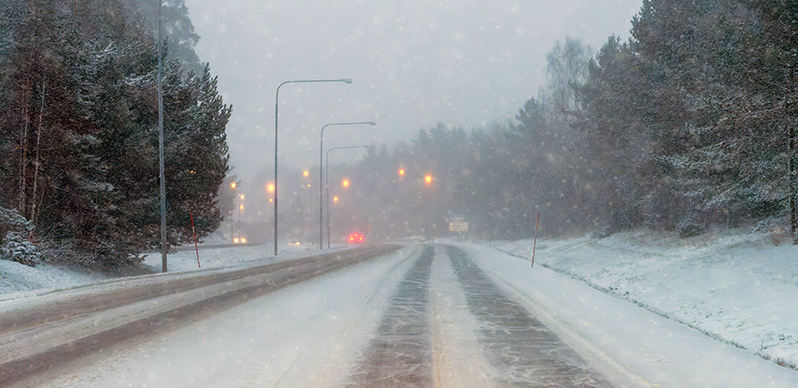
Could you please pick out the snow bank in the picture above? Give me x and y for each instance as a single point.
(733, 286)
(17, 280)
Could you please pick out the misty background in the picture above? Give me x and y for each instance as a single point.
(496, 113)
(414, 64)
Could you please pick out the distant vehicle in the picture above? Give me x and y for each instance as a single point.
(355, 238)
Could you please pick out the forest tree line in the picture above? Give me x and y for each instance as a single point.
(80, 132)
(689, 124)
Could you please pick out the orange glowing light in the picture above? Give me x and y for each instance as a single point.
(428, 179)
(401, 172)
(270, 187)
(335, 199)
(345, 183)
(306, 173)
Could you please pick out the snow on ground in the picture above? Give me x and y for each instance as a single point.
(17, 280)
(733, 286)
(304, 335)
(637, 347)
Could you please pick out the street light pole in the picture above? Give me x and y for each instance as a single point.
(161, 174)
(327, 184)
(276, 105)
(321, 149)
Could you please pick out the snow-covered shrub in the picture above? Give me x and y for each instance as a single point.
(776, 228)
(688, 227)
(64, 252)
(602, 232)
(14, 243)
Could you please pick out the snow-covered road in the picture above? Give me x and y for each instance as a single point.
(423, 316)
(431, 315)
(48, 334)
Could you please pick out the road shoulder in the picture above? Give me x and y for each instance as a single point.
(629, 344)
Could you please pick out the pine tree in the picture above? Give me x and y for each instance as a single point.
(79, 91)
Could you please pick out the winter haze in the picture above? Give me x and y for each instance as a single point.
(414, 64)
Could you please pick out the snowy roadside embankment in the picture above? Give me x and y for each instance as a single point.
(733, 286)
(17, 280)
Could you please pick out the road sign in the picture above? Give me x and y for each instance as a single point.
(458, 223)
(458, 226)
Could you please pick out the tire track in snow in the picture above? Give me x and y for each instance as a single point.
(458, 357)
(400, 355)
(523, 350)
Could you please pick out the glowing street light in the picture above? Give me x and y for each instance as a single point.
(401, 173)
(276, 107)
(232, 223)
(240, 208)
(270, 190)
(428, 179)
(345, 183)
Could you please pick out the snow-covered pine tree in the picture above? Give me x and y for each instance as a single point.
(83, 75)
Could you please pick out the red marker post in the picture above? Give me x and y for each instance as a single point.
(196, 248)
(535, 241)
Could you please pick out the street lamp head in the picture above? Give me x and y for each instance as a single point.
(372, 123)
(347, 80)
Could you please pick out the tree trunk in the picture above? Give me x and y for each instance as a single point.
(36, 162)
(791, 156)
(23, 144)
(791, 173)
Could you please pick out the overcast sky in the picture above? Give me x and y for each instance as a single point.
(414, 63)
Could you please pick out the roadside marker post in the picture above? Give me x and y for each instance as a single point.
(196, 248)
(535, 243)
